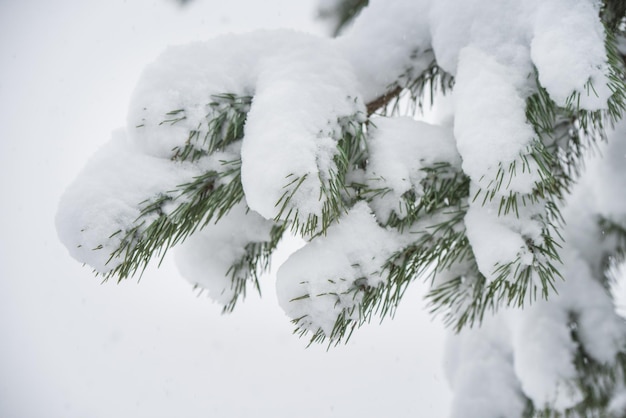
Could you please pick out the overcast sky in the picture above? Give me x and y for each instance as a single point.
(72, 347)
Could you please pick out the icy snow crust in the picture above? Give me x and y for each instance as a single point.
(303, 87)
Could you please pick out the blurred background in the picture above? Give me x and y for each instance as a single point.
(71, 346)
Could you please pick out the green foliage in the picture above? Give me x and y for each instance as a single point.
(223, 125)
(172, 216)
(420, 89)
(334, 193)
(442, 253)
(443, 188)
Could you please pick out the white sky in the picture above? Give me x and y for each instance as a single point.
(71, 347)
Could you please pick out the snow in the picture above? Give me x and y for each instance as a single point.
(293, 125)
(206, 257)
(354, 249)
(536, 342)
(480, 371)
(294, 122)
(576, 44)
(618, 404)
(483, 229)
(487, 91)
(544, 356)
(519, 35)
(400, 149)
(183, 78)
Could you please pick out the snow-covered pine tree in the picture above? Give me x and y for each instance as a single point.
(233, 142)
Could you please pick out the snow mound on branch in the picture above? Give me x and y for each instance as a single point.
(575, 44)
(205, 258)
(302, 89)
(288, 150)
(389, 40)
(400, 149)
(535, 346)
(496, 51)
(105, 199)
(520, 34)
(530, 352)
(294, 125)
(321, 281)
(479, 367)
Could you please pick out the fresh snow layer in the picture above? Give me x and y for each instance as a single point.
(576, 44)
(487, 91)
(106, 198)
(492, 48)
(321, 280)
(400, 149)
(294, 124)
(207, 256)
(483, 229)
(481, 374)
(302, 88)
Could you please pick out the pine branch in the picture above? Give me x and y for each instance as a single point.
(351, 154)
(254, 262)
(383, 100)
(224, 124)
(596, 381)
(436, 221)
(443, 187)
(171, 217)
(464, 299)
(412, 90)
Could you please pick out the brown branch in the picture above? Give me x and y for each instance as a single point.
(383, 100)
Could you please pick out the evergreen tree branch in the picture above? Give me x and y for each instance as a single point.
(382, 101)
(171, 217)
(255, 261)
(597, 381)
